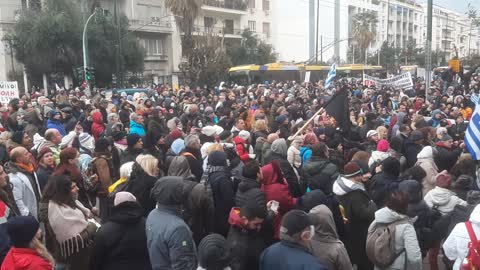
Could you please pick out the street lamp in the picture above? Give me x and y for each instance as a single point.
(84, 45)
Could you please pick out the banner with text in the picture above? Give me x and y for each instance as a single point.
(403, 81)
(8, 91)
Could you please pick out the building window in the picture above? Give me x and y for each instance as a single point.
(154, 46)
(266, 29)
(266, 4)
(251, 3)
(229, 27)
(252, 26)
(208, 22)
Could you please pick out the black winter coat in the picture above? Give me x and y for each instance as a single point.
(130, 155)
(320, 174)
(446, 158)
(223, 197)
(290, 175)
(380, 185)
(411, 151)
(121, 243)
(198, 209)
(245, 248)
(195, 161)
(140, 184)
(360, 212)
(248, 189)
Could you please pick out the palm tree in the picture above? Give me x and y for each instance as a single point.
(364, 30)
(185, 12)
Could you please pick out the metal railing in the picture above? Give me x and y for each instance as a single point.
(228, 4)
(149, 23)
(218, 30)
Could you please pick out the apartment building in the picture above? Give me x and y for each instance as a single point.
(9, 10)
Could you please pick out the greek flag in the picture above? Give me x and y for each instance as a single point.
(474, 98)
(331, 75)
(472, 136)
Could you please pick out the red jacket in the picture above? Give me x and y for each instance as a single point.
(98, 127)
(242, 148)
(25, 259)
(276, 188)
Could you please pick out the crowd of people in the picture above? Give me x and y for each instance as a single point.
(235, 177)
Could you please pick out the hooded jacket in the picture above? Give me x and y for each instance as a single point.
(98, 127)
(377, 156)
(249, 189)
(223, 191)
(245, 246)
(58, 125)
(405, 239)
(456, 245)
(443, 199)
(326, 245)
(25, 259)
(242, 147)
(121, 243)
(279, 152)
(136, 128)
(276, 188)
(320, 170)
(359, 210)
(425, 160)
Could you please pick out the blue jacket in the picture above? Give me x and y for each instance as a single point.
(169, 241)
(305, 154)
(136, 128)
(289, 256)
(57, 125)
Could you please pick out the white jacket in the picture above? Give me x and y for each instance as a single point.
(405, 238)
(444, 199)
(293, 157)
(456, 245)
(426, 161)
(24, 194)
(377, 156)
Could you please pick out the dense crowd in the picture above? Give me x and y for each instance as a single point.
(234, 177)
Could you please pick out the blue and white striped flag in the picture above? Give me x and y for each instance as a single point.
(472, 135)
(474, 98)
(331, 75)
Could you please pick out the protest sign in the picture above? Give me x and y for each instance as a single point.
(403, 81)
(8, 91)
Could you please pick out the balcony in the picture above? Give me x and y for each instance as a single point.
(218, 31)
(154, 25)
(235, 7)
(158, 57)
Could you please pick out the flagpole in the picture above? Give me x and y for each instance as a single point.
(321, 110)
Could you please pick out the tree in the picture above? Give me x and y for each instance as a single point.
(49, 40)
(250, 50)
(411, 53)
(364, 30)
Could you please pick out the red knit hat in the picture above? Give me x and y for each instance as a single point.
(443, 179)
(175, 134)
(383, 146)
(42, 152)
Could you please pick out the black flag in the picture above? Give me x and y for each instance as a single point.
(337, 107)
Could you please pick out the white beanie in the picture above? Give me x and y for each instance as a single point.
(244, 135)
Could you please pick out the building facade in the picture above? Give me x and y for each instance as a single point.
(9, 10)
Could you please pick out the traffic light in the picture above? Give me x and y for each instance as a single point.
(78, 73)
(90, 74)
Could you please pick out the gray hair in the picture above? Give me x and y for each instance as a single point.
(191, 139)
(50, 133)
(133, 116)
(111, 116)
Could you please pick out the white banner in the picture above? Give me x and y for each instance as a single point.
(307, 76)
(8, 91)
(403, 81)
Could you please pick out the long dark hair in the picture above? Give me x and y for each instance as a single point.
(59, 189)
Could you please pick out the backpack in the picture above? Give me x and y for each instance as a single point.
(473, 256)
(380, 245)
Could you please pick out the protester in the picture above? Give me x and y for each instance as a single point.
(121, 243)
(169, 241)
(213, 253)
(46, 166)
(292, 252)
(27, 252)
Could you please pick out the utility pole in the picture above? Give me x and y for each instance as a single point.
(336, 28)
(311, 29)
(317, 26)
(428, 49)
(321, 48)
(117, 51)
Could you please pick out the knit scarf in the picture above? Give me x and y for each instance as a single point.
(27, 167)
(67, 223)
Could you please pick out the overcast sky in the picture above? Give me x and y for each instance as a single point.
(457, 5)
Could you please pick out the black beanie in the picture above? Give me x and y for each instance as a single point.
(102, 145)
(213, 252)
(391, 166)
(217, 158)
(22, 230)
(132, 139)
(17, 136)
